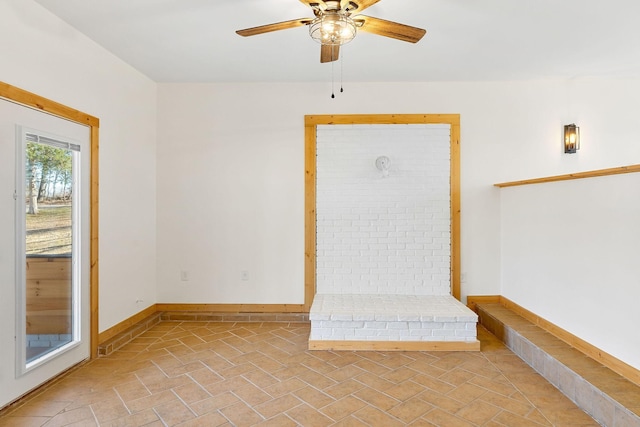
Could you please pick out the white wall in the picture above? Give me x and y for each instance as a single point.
(377, 233)
(230, 180)
(570, 254)
(231, 170)
(230, 162)
(42, 54)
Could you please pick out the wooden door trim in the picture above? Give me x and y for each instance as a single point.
(38, 102)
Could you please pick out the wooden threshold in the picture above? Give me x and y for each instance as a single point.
(38, 390)
(395, 345)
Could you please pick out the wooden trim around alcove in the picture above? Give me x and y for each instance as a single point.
(577, 175)
(310, 127)
(37, 102)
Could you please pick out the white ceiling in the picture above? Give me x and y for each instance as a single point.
(195, 40)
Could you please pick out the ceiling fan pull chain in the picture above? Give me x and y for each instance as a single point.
(341, 67)
(332, 76)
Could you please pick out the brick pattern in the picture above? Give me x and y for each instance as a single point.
(48, 340)
(391, 318)
(245, 374)
(383, 234)
(234, 317)
(128, 335)
(139, 328)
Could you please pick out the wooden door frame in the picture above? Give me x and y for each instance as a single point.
(31, 100)
(310, 132)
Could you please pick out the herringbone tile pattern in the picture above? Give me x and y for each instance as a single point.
(244, 374)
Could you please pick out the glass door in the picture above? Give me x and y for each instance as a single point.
(50, 249)
(45, 232)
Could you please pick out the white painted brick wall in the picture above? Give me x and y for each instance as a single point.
(383, 235)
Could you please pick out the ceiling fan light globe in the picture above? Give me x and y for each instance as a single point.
(332, 28)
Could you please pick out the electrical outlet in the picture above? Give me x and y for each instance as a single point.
(244, 275)
(184, 275)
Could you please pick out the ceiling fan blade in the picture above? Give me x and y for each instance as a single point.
(363, 4)
(391, 29)
(329, 53)
(274, 27)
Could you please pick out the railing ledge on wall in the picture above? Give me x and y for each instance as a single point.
(578, 175)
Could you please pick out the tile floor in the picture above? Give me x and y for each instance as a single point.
(243, 374)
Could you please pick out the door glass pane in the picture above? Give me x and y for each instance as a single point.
(48, 248)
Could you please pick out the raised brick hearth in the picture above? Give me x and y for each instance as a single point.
(391, 322)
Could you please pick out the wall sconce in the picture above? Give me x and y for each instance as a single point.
(571, 138)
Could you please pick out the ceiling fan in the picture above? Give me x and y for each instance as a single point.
(336, 23)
